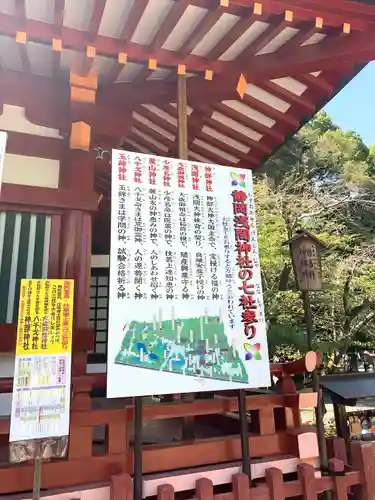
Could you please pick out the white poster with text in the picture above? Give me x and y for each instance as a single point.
(186, 307)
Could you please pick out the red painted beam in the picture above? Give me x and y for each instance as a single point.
(14, 196)
(36, 146)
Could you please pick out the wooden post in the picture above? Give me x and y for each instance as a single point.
(182, 118)
(306, 474)
(138, 444)
(275, 483)
(204, 489)
(245, 451)
(241, 487)
(341, 421)
(165, 492)
(363, 461)
(305, 250)
(336, 448)
(319, 416)
(188, 424)
(340, 488)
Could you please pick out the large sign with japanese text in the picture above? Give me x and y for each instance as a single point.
(41, 388)
(186, 308)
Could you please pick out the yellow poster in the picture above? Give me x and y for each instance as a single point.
(45, 317)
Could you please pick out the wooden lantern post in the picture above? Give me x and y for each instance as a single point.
(305, 251)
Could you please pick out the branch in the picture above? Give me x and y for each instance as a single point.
(369, 317)
(284, 277)
(328, 208)
(358, 309)
(324, 209)
(345, 296)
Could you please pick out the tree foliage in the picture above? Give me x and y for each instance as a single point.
(321, 180)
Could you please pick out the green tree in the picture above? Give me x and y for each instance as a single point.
(321, 180)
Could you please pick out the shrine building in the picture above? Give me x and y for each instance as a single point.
(215, 81)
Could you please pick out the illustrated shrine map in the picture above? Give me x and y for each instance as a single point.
(186, 307)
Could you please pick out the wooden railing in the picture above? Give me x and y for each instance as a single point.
(85, 464)
(359, 481)
(274, 430)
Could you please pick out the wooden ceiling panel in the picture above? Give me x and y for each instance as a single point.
(152, 20)
(148, 137)
(8, 7)
(10, 56)
(77, 15)
(242, 36)
(39, 59)
(219, 30)
(40, 10)
(206, 23)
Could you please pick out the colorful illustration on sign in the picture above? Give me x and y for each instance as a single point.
(238, 180)
(252, 352)
(194, 346)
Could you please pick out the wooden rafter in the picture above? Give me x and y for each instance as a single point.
(132, 22)
(91, 35)
(166, 27)
(285, 119)
(300, 102)
(58, 20)
(306, 59)
(277, 26)
(226, 148)
(153, 117)
(234, 34)
(355, 48)
(153, 133)
(212, 157)
(147, 145)
(20, 6)
(127, 33)
(58, 16)
(258, 148)
(250, 123)
(305, 10)
(143, 74)
(307, 30)
(96, 19)
(318, 83)
(209, 20)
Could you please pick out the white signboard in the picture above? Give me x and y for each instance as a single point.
(186, 307)
(3, 145)
(42, 375)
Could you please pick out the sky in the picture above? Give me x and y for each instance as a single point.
(354, 107)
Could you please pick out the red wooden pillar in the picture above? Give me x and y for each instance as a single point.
(77, 174)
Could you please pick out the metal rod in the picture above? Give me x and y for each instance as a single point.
(182, 118)
(37, 470)
(245, 451)
(188, 423)
(319, 415)
(138, 439)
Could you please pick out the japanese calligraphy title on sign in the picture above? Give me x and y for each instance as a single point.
(186, 306)
(41, 390)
